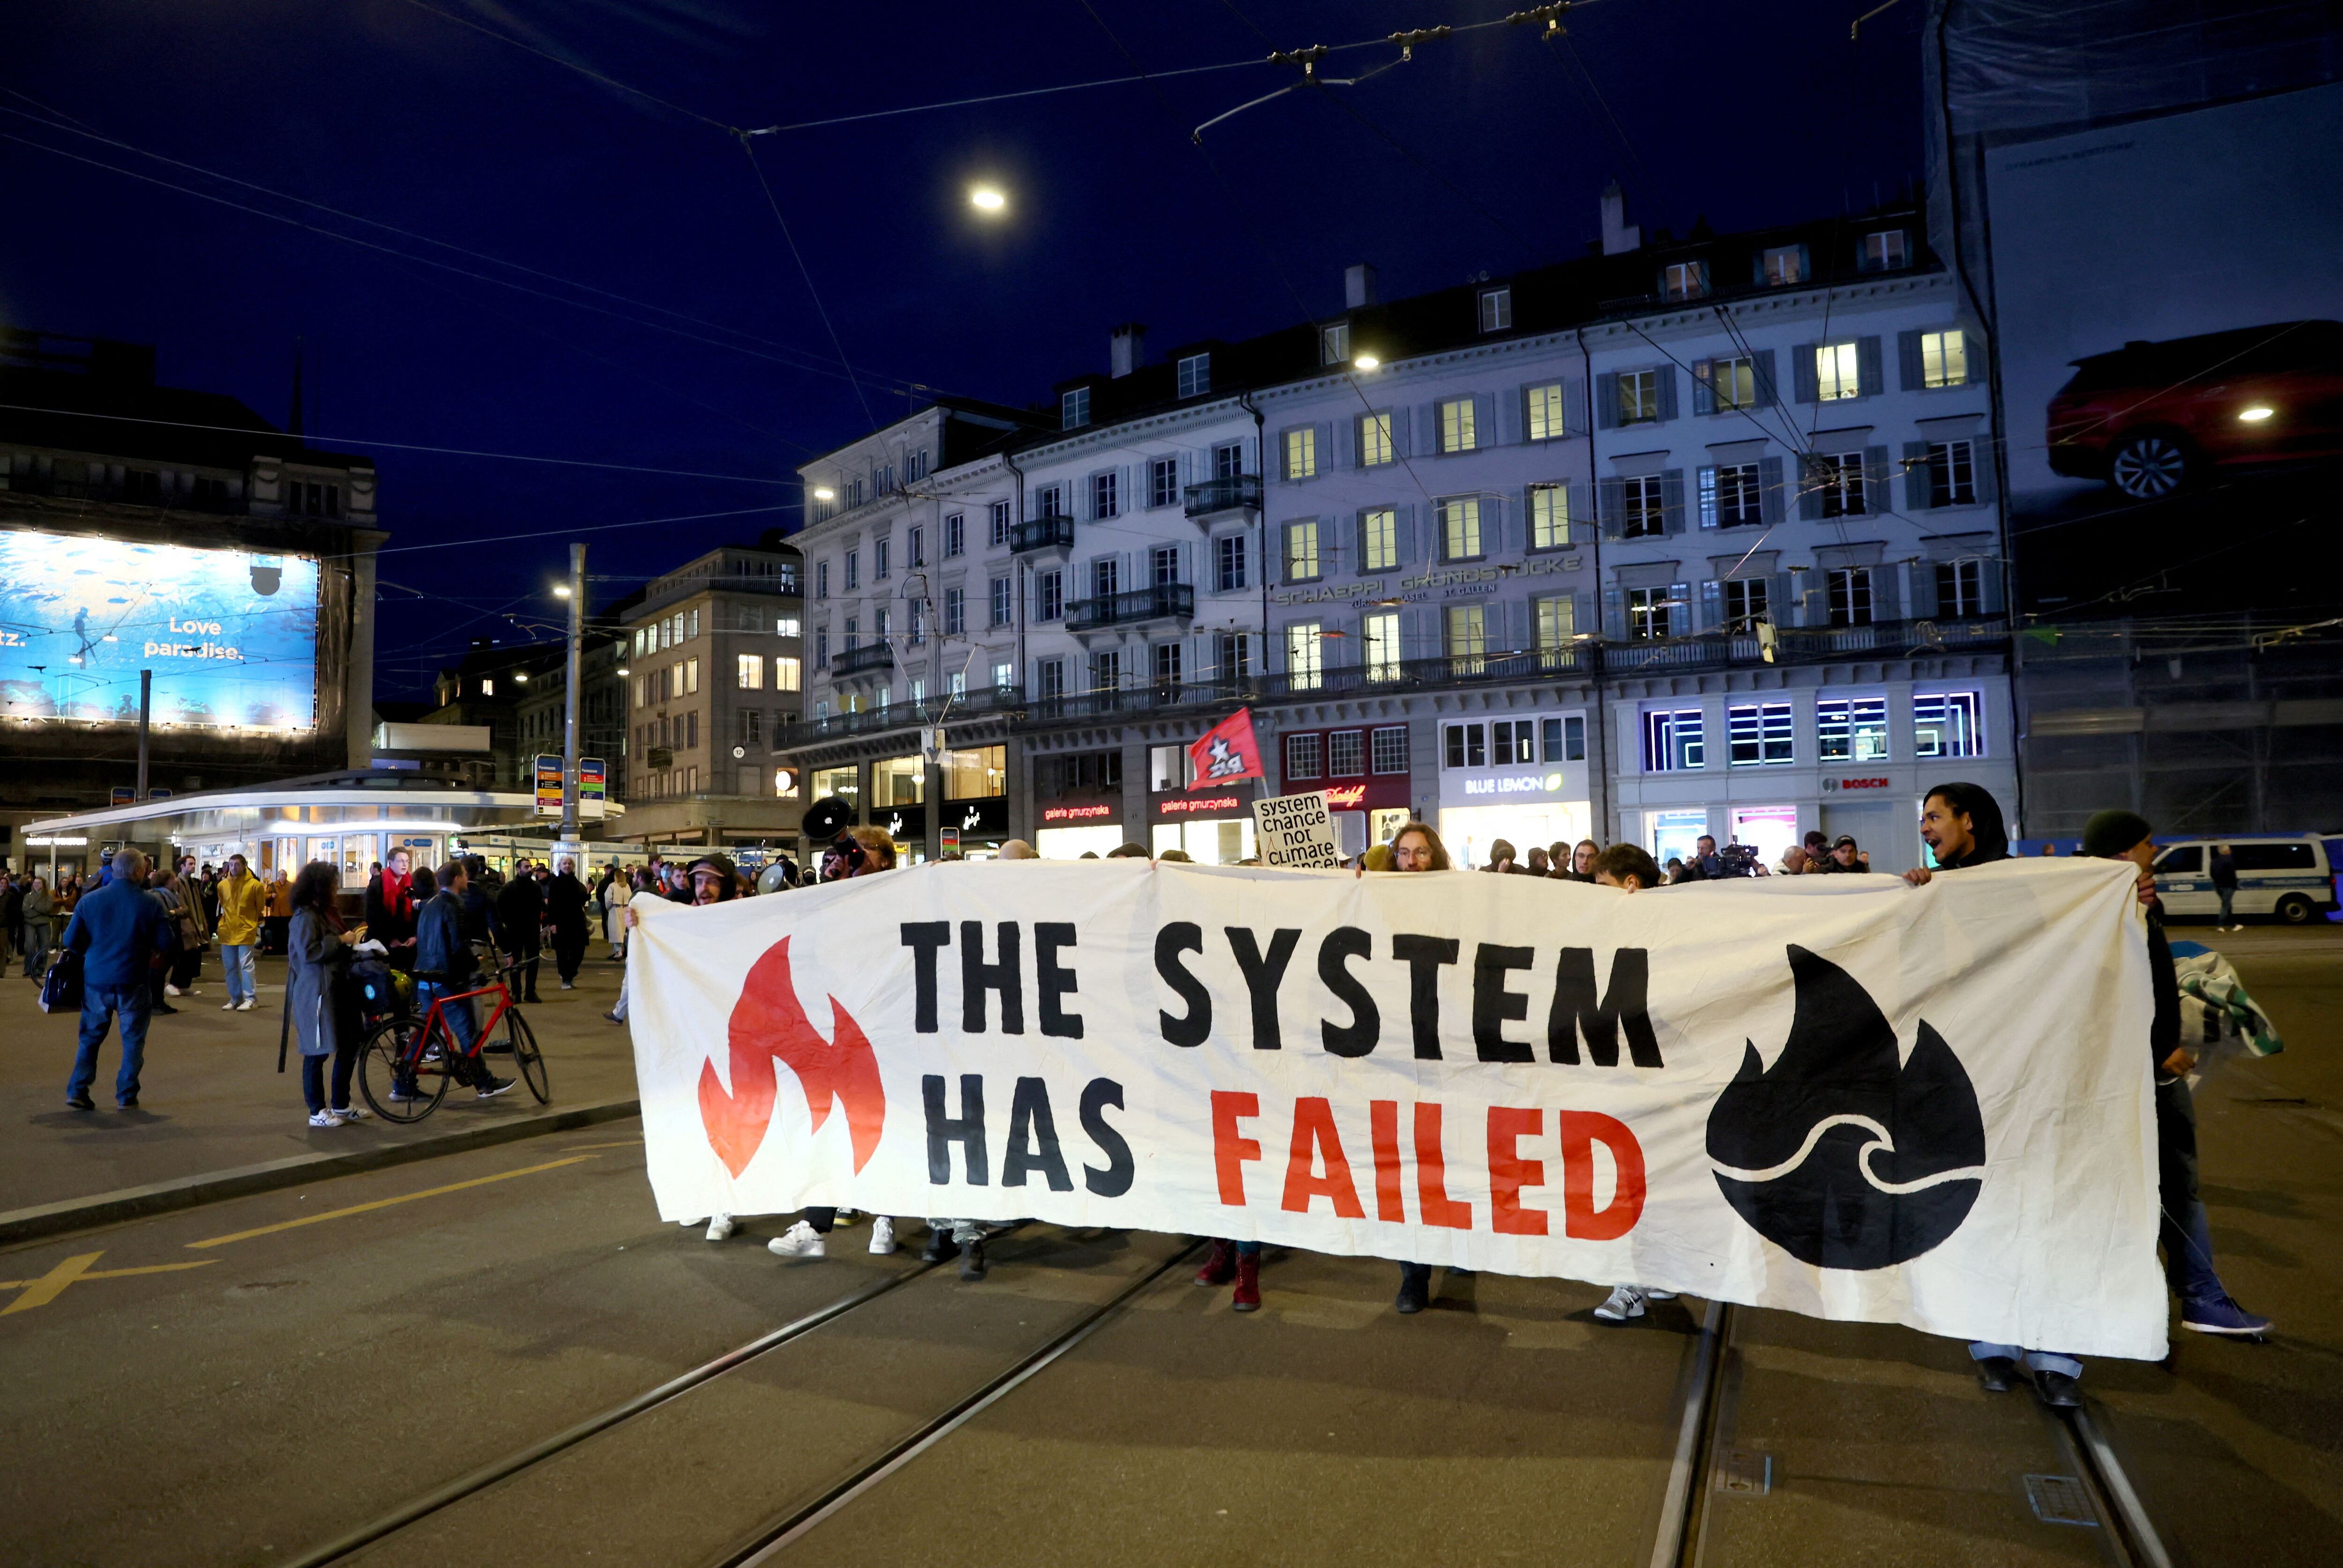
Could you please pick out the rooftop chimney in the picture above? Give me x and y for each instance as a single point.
(1619, 235)
(1128, 351)
(1358, 284)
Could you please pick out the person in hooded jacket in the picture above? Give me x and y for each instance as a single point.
(520, 911)
(566, 902)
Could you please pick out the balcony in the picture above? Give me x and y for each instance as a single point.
(1238, 492)
(859, 660)
(1050, 532)
(976, 700)
(1164, 601)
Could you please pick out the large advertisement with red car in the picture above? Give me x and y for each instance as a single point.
(2169, 300)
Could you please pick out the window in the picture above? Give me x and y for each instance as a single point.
(1301, 453)
(1105, 498)
(1004, 674)
(955, 611)
(1952, 474)
(1943, 359)
(1389, 748)
(1163, 481)
(1164, 562)
(1195, 374)
(956, 683)
(1851, 728)
(787, 674)
(1684, 280)
(1838, 482)
(1639, 397)
(1346, 754)
(1549, 511)
(1649, 613)
(1334, 343)
(1305, 758)
(1233, 653)
(751, 675)
(1884, 251)
(1050, 501)
(1784, 264)
(1375, 447)
(488, 686)
(1229, 558)
(821, 579)
(2273, 857)
(1053, 673)
(1513, 741)
(1106, 671)
(1303, 643)
(1496, 309)
(1167, 663)
(1457, 429)
(1671, 741)
(1947, 724)
(880, 553)
(1302, 551)
(1379, 539)
(1468, 635)
(821, 647)
(1074, 408)
(1566, 739)
(1731, 497)
(1960, 588)
(854, 493)
(1167, 768)
(1557, 620)
(1002, 605)
(1465, 745)
(1741, 602)
(853, 570)
(752, 722)
(1732, 382)
(1838, 373)
(1644, 506)
(1544, 408)
(1460, 528)
(1000, 535)
(1758, 734)
(1379, 635)
(1228, 460)
(1048, 595)
(1106, 577)
(1850, 596)
(916, 551)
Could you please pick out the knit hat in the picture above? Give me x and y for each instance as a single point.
(2110, 833)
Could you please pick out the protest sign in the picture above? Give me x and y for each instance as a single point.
(1296, 831)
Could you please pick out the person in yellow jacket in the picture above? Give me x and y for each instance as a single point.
(279, 921)
(243, 904)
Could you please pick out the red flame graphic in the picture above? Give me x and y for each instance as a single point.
(769, 1022)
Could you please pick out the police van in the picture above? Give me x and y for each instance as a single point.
(2288, 876)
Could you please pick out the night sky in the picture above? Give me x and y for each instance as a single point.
(1487, 152)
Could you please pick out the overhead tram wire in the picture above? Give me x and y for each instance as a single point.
(585, 71)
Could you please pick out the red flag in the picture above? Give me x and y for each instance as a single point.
(1227, 753)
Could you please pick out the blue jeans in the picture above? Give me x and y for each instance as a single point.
(460, 1020)
(236, 957)
(100, 1006)
(2227, 895)
(2035, 1361)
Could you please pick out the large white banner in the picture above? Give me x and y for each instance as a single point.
(1840, 1095)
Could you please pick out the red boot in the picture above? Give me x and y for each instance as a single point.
(1221, 1267)
(1248, 1296)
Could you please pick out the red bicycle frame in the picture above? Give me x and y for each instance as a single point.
(433, 1020)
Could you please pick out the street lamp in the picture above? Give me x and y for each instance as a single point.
(824, 493)
(1365, 362)
(987, 200)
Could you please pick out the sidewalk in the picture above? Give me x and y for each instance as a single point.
(211, 1099)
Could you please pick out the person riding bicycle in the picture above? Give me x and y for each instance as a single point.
(443, 965)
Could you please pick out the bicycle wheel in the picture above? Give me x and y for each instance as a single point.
(522, 1043)
(383, 1063)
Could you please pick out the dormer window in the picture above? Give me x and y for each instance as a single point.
(1074, 408)
(1783, 264)
(1884, 251)
(1684, 280)
(1496, 309)
(1195, 374)
(1334, 343)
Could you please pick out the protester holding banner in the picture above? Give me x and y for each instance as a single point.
(1417, 848)
(1629, 868)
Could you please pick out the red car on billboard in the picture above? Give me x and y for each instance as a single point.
(2150, 418)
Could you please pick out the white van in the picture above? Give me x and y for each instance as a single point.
(2284, 875)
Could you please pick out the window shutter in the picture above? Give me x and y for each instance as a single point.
(1419, 634)
(1810, 499)
(1326, 461)
(1761, 372)
(1399, 423)
(1573, 407)
(1671, 497)
(1614, 615)
(1908, 359)
(1404, 538)
(1612, 498)
(1606, 400)
(1667, 382)
(1924, 590)
(1974, 352)
(1712, 606)
(1485, 432)
(1915, 476)
(1772, 499)
(1875, 493)
(1680, 612)
(1867, 367)
(1703, 391)
(1581, 611)
(1989, 580)
(1803, 388)
(1345, 455)
(1888, 593)
(1781, 599)
(1985, 455)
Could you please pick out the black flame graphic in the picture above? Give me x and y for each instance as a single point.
(1837, 1206)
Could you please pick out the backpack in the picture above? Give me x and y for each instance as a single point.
(376, 986)
(61, 988)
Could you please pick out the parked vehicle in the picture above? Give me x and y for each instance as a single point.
(2286, 876)
(2150, 418)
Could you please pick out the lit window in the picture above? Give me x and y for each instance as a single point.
(1380, 634)
(1303, 645)
(1947, 724)
(751, 675)
(1496, 309)
(1729, 384)
(1786, 264)
(1673, 741)
(1468, 636)
(1884, 251)
(1651, 613)
(1731, 495)
(488, 686)
(1334, 343)
(1074, 408)
(1545, 413)
(1460, 528)
(1851, 728)
(1302, 551)
(1301, 453)
(1557, 622)
(1195, 374)
(1374, 440)
(1639, 397)
(1943, 359)
(1549, 517)
(1379, 539)
(1457, 431)
(1758, 734)
(786, 673)
(1684, 280)
(1838, 372)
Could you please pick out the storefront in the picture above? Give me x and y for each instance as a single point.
(1524, 781)
(976, 828)
(1211, 826)
(1070, 828)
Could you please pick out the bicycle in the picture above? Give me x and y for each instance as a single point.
(421, 1053)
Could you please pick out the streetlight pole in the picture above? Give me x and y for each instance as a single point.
(570, 703)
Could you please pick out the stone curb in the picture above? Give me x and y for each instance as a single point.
(191, 1192)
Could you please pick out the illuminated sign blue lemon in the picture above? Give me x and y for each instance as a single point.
(231, 634)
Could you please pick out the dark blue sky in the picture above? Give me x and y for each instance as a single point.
(1486, 152)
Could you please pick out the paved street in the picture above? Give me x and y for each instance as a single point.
(245, 1380)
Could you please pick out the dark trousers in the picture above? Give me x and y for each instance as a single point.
(523, 955)
(313, 1079)
(2186, 1235)
(186, 965)
(273, 931)
(100, 1006)
(569, 952)
(160, 975)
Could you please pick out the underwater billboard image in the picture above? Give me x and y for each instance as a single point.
(231, 634)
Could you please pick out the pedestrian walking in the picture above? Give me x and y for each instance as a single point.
(195, 934)
(243, 905)
(566, 899)
(12, 914)
(39, 913)
(520, 912)
(318, 1008)
(2225, 883)
(119, 932)
(616, 898)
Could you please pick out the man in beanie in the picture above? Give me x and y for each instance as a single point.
(2206, 1305)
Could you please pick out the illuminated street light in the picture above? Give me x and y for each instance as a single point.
(624, 670)
(2257, 413)
(561, 591)
(521, 676)
(986, 198)
(824, 493)
(1365, 362)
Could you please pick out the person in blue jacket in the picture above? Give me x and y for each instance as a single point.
(118, 930)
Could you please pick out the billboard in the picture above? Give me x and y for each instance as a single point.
(231, 634)
(2169, 297)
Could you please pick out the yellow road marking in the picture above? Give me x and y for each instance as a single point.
(387, 1203)
(621, 1143)
(40, 1293)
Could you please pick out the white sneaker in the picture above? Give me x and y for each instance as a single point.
(568, 986)
(324, 1119)
(1657, 1295)
(245, 1006)
(228, 1007)
(353, 1114)
(693, 1224)
(802, 1241)
(1625, 1301)
(719, 1226)
(882, 1235)
(169, 990)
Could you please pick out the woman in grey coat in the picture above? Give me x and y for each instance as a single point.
(318, 955)
(40, 928)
